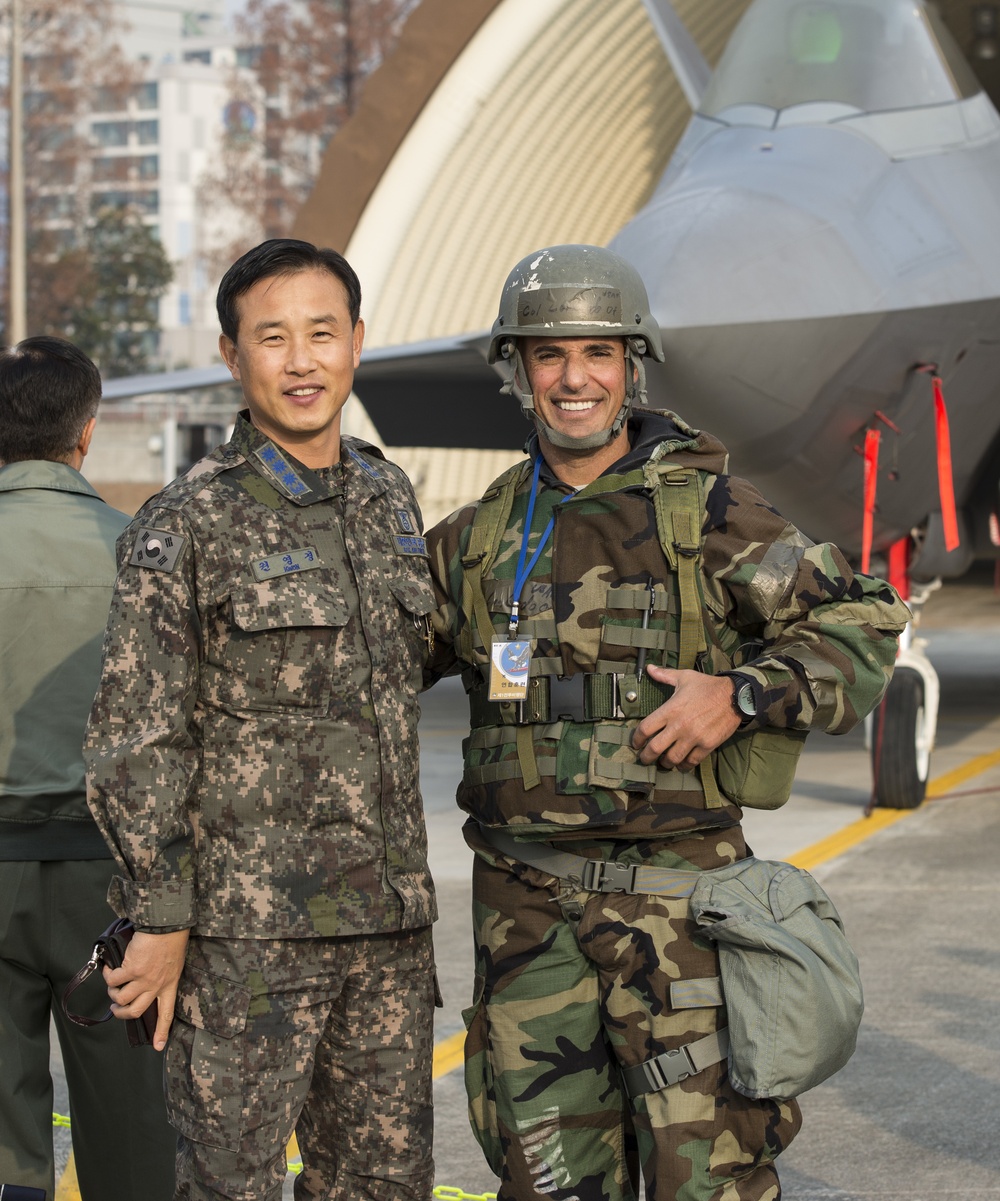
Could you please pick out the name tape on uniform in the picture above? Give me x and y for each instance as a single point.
(158, 549)
(285, 562)
(410, 544)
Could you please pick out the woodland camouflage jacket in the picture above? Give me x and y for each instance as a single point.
(818, 640)
(252, 750)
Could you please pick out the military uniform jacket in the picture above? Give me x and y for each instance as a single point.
(252, 750)
(817, 640)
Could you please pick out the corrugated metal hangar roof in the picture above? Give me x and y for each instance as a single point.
(552, 123)
(496, 127)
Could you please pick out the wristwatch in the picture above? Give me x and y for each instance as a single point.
(744, 699)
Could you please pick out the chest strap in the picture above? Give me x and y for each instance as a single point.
(593, 875)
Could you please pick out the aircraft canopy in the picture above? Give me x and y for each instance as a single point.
(872, 55)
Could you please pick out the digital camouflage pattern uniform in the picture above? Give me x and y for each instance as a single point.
(253, 761)
(573, 985)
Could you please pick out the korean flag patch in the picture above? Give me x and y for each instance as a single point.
(158, 549)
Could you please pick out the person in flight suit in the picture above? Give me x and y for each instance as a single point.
(58, 538)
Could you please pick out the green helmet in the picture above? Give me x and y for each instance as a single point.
(569, 292)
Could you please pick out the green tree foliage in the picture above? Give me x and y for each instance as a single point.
(93, 276)
(310, 59)
(104, 294)
(70, 57)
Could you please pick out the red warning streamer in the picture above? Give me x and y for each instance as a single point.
(946, 485)
(899, 567)
(872, 438)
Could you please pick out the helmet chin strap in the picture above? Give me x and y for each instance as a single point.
(635, 387)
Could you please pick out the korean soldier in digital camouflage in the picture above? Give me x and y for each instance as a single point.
(628, 619)
(252, 758)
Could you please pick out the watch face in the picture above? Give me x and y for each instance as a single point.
(745, 701)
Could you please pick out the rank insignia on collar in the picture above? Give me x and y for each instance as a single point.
(364, 464)
(281, 471)
(285, 562)
(406, 522)
(409, 544)
(158, 549)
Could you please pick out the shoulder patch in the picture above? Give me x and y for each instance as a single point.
(158, 549)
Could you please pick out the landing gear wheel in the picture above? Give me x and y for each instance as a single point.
(901, 746)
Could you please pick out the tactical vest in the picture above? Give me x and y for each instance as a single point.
(576, 727)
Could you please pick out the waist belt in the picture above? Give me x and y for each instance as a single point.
(594, 875)
(587, 696)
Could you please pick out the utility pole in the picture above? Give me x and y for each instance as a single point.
(348, 76)
(17, 322)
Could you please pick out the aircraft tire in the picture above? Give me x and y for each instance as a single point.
(901, 749)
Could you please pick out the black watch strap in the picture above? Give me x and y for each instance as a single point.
(744, 697)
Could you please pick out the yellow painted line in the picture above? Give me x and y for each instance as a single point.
(449, 1053)
(961, 775)
(68, 1188)
(865, 827)
(849, 836)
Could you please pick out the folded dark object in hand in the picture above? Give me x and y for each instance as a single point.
(21, 1192)
(109, 949)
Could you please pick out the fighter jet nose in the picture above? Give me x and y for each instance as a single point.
(770, 237)
(783, 186)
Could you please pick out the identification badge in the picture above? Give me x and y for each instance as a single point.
(510, 659)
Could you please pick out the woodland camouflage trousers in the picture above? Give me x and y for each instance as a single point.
(570, 985)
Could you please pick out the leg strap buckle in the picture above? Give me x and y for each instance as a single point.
(674, 1066)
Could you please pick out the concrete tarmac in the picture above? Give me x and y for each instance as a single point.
(914, 1113)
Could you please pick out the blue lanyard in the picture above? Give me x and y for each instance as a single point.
(522, 573)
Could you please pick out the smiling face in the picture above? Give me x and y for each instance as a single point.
(295, 354)
(578, 384)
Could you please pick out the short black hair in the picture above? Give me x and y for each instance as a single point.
(49, 390)
(281, 256)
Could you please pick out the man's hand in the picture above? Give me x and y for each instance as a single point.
(697, 718)
(151, 971)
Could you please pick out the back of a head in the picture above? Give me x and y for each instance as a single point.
(278, 257)
(49, 390)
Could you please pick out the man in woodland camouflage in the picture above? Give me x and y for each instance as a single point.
(253, 764)
(628, 618)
